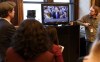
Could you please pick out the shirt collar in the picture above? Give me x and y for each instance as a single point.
(95, 17)
(7, 20)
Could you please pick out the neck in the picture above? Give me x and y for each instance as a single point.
(8, 18)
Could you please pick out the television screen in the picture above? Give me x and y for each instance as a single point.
(55, 14)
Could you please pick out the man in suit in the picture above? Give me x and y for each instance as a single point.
(6, 28)
(56, 14)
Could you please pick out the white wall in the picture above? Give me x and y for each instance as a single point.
(84, 6)
(30, 6)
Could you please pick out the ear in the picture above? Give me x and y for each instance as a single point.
(9, 12)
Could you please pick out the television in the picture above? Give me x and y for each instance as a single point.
(55, 14)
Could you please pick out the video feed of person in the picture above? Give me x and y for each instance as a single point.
(55, 14)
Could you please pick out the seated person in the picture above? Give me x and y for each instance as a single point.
(30, 44)
(56, 49)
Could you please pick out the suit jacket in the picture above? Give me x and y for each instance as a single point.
(56, 15)
(12, 56)
(6, 32)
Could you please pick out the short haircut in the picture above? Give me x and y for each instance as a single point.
(5, 7)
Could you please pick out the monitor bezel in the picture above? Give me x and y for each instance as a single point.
(54, 4)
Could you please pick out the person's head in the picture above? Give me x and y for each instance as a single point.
(94, 10)
(31, 39)
(56, 9)
(53, 34)
(7, 9)
(31, 14)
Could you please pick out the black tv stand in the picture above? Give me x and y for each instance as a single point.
(69, 38)
(58, 25)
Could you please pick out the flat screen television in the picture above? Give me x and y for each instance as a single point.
(55, 14)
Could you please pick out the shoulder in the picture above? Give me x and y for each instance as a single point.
(12, 56)
(45, 57)
(47, 53)
(85, 16)
(10, 50)
(4, 23)
(56, 47)
(9, 53)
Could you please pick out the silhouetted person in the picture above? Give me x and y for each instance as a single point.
(56, 49)
(30, 44)
(6, 28)
(90, 22)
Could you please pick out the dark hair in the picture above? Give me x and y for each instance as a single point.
(53, 34)
(31, 39)
(6, 7)
(31, 13)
